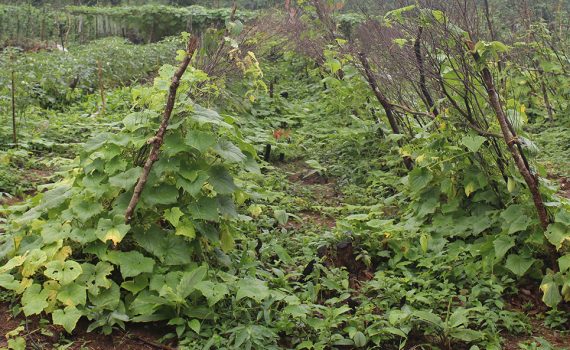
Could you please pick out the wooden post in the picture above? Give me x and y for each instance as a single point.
(14, 132)
(101, 87)
(158, 139)
(388, 108)
(511, 140)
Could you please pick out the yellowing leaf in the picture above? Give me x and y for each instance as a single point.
(424, 240)
(63, 253)
(113, 235)
(186, 229)
(511, 185)
(227, 241)
(470, 188)
(255, 210)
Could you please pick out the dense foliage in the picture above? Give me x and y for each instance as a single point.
(83, 23)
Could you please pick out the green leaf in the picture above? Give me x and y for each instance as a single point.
(515, 219)
(557, 234)
(186, 228)
(220, 178)
(34, 300)
(107, 299)
(127, 179)
(252, 288)
(551, 294)
(131, 263)
(72, 295)
(12, 263)
(108, 231)
(193, 186)
(64, 272)
(473, 142)
(170, 249)
(85, 209)
(163, 194)
(173, 215)
(502, 245)
(564, 263)
(36, 258)
(189, 281)
(428, 316)
(200, 140)
(207, 116)
(360, 340)
(174, 144)
(227, 240)
(519, 264)
(563, 217)
(281, 216)
(54, 232)
(419, 178)
(95, 276)
(195, 325)
(136, 285)
(8, 281)
(466, 335)
(205, 208)
(213, 292)
(229, 152)
(67, 318)
(357, 217)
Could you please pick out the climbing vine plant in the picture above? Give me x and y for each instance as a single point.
(71, 253)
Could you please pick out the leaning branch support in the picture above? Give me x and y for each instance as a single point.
(510, 140)
(158, 139)
(388, 107)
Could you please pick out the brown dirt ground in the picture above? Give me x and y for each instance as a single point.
(520, 302)
(139, 337)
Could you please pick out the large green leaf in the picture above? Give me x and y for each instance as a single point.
(221, 179)
(131, 263)
(252, 288)
(108, 230)
(170, 249)
(213, 292)
(34, 300)
(551, 294)
(85, 209)
(200, 140)
(67, 318)
(162, 194)
(519, 264)
(64, 272)
(107, 299)
(564, 262)
(557, 234)
(173, 215)
(189, 281)
(205, 208)
(502, 245)
(72, 294)
(473, 142)
(229, 152)
(515, 219)
(95, 276)
(419, 178)
(428, 316)
(127, 179)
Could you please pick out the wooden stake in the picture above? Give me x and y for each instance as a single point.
(158, 140)
(101, 87)
(511, 141)
(14, 132)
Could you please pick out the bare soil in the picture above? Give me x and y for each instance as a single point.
(41, 336)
